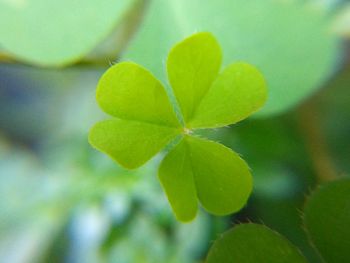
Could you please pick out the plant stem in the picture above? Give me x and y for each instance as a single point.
(311, 129)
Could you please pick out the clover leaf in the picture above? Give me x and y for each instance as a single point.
(327, 218)
(252, 243)
(59, 33)
(145, 122)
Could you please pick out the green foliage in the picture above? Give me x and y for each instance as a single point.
(216, 174)
(192, 67)
(60, 200)
(342, 21)
(49, 207)
(222, 178)
(128, 91)
(57, 33)
(327, 217)
(327, 220)
(195, 168)
(289, 41)
(251, 243)
(176, 176)
(236, 93)
(333, 108)
(130, 143)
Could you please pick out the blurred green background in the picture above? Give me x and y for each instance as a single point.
(62, 201)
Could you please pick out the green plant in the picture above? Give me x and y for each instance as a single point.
(146, 122)
(63, 201)
(326, 220)
(59, 33)
(249, 243)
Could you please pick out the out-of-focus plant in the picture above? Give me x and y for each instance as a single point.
(247, 243)
(60, 33)
(89, 207)
(327, 217)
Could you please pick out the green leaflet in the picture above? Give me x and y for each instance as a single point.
(327, 220)
(130, 143)
(192, 66)
(289, 41)
(57, 33)
(176, 176)
(195, 169)
(222, 178)
(198, 168)
(128, 91)
(252, 243)
(239, 91)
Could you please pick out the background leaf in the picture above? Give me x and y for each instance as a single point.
(56, 33)
(327, 217)
(288, 41)
(342, 22)
(251, 243)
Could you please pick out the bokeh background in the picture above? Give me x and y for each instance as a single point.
(62, 201)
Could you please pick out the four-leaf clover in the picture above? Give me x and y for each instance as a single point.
(145, 122)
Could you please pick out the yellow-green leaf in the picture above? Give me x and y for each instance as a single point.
(130, 92)
(192, 66)
(176, 176)
(130, 143)
(223, 180)
(239, 91)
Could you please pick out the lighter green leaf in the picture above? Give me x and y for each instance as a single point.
(192, 66)
(176, 176)
(239, 91)
(252, 243)
(341, 24)
(223, 180)
(289, 41)
(327, 220)
(57, 33)
(128, 91)
(130, 143)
